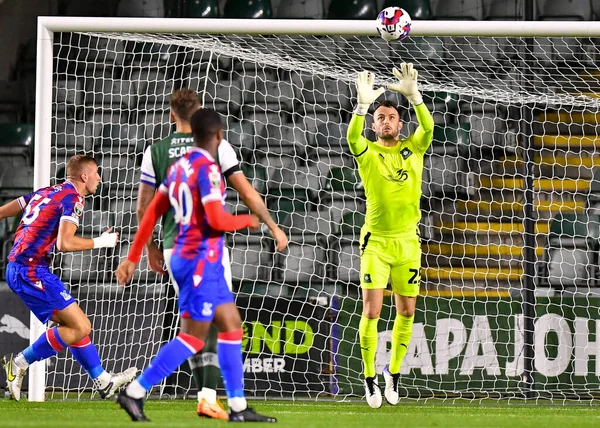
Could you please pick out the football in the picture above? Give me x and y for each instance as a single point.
(393, 23)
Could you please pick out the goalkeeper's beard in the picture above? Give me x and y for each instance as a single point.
(389, 137)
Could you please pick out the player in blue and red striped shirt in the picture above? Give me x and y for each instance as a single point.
(51, 218)
(194, 187)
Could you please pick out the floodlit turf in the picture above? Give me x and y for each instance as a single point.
(174, 413)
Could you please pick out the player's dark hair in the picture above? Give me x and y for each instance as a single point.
(388, 103)
(184, 102)
(76, 165)
(205, 124)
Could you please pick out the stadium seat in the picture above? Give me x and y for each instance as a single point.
(94, 223)
(16, 140)
(157, 124)
(284, 139)
(343, 179)
(300, 9)
(442, 105)
(120, 139)
(257, 176)
(141, 8)
(426, 51)
(353, 9)
(269, 95)
(330, 138)
(417, 9)
(571, 10)
(572, 251)
(72, 136)
(506, 10)
(240, 134)
(68, 94)
(317, 94)
(12, 99)
(305, 260)
(487, 122)
(221, 92)
(593, 200)
(446, 166)
(251, 257)
(459, 9)
(86, 267)
(202, 9)
(345, 248)
(16, 178)
(104, 92)
(247, 9)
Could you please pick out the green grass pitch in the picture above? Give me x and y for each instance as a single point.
(177, 413)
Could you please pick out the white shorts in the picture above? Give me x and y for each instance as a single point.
(226, 265)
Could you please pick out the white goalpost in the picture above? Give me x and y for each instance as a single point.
(510, 227)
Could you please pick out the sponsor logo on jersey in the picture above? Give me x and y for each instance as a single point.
(401, 175)
(207, 310)
(65, 295)
(406, 153)
(214, 175)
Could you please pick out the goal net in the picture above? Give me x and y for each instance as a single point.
(515, 116)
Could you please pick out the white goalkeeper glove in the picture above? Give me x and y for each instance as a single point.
(407, 83)
(366, 93)
(106, 240)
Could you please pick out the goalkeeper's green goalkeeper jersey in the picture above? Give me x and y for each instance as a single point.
(392, 176)
(161, 155)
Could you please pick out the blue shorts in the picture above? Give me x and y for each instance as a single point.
(202, 287)
(41, 290)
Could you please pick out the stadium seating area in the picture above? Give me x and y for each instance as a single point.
(289, 130)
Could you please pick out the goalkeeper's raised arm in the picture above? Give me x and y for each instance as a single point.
(407, 86)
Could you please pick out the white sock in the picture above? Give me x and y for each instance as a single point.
(135, 390)
(102, 380)
(21, 362)
(209, 395)
(237, 404)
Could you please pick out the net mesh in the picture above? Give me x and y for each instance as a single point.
(286, 101)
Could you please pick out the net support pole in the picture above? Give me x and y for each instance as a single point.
(529, 240)
(41, 175)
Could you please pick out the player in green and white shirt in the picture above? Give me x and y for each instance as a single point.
(391, 170)
(156, 161)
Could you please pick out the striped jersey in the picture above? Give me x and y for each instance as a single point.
(44, 209)
(161, 155)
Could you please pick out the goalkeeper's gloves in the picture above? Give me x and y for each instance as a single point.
(106, 240)
(407, 83)
(366, 93)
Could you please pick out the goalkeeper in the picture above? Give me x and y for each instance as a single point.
(391, 170)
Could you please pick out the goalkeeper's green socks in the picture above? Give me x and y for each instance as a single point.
(401, 334)
(367, 333)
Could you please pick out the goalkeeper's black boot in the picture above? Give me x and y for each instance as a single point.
(133, 406)
(249, 415)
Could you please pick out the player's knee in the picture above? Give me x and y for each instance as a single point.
(407, 312)
(371, 312)
(84, 329)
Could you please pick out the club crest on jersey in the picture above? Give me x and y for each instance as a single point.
(405, 153)
(214, 175)
(79, 209)
(367, 279)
